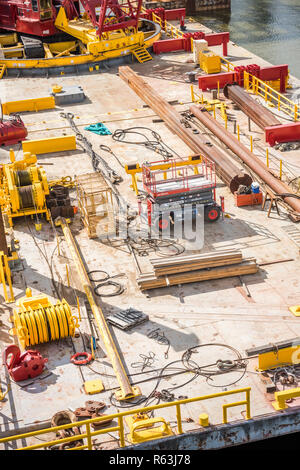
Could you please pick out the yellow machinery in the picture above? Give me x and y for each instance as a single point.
(126, 390)
(142, 428)
(37, 320)
(5, 277)
(23, 188)
(83, 29)
(209, 62)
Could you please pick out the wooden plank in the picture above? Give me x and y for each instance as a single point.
(150, 281)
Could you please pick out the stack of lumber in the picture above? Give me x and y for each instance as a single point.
(195, 268)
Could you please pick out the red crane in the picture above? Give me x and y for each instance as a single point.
(37, 17)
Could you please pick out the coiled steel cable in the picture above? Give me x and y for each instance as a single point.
(155, 143)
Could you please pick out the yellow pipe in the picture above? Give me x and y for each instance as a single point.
(68, 277)
(192, 94)
(280, 169)
(126, 389)
(267, 157)
(79, 310)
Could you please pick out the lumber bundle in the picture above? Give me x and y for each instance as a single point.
(196, 268)
(181, 264)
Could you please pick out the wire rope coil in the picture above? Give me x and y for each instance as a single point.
(42, 324)
(105, 281)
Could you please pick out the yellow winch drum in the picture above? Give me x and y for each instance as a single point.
(43, 323)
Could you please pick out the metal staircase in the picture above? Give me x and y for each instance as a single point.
(2, 70)
(141, 54)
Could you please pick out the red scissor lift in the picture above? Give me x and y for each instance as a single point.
(175, 188)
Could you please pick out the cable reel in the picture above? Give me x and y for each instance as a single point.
(39, 321)
(25, 187)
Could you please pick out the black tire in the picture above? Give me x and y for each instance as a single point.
(162, 223)
(212, 213)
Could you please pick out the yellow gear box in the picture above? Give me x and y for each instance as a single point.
(209, 62)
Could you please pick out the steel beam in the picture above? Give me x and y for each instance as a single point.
(256, 112)
(126, 390)
(249, 158)
(226, 169)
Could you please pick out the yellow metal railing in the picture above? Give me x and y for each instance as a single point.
(258, 87)
(196, 98)
(88, 434)
(226, 65)
(167, 27)
(281, 397)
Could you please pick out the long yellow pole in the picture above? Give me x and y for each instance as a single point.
(112, 352)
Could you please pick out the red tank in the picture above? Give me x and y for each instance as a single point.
(12, 131)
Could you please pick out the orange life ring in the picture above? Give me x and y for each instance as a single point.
(80, 362)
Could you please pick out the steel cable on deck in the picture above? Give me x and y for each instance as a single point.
(222, 367)
(157, 144)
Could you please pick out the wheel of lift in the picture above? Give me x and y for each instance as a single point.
(212, 213)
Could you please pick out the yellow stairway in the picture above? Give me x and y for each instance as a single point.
(2, 70)
(141, 54)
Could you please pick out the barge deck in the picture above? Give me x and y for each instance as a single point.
(209, 314)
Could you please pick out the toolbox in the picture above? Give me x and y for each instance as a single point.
(248, 199)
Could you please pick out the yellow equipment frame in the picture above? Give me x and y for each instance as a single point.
(134, 168)
(9, 195)
(5, 277)
(50, 145)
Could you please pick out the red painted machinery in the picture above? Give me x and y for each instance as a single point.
(23, 366)
(12, 131)
(289, 132)
(34, 17)
(37, 17)
(126, 14)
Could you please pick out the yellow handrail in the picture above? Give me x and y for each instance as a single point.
(261, 88)
(120, 427)
(226, 65)
(167, 27)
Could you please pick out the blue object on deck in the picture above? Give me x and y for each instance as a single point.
(98, 128)
(255, 188)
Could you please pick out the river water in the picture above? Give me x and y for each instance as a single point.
(268, 28)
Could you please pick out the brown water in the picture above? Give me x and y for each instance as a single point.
(268, 28)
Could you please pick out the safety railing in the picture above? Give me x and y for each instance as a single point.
(226, 65)
(170, 29)
(88, 434)
(167, 27)
(258, 87)
(282, 169)
(199, 99)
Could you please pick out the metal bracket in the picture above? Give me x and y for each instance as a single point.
(120, 395)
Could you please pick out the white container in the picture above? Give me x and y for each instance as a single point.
(198, 46)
